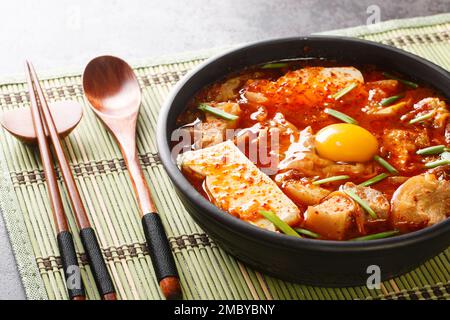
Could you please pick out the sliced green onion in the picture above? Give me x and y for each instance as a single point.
(280, 224)
(374, 180)
(432, 150)
(437, 163)
(308, 233)
(274, 65)
(341, 116)
(385, 164)
(217, 112)
(421, 118)
(375, 236)
(405, 82)
(391, 100)
(330, 179)
(445, 159)
(344, 91)
(362, 203)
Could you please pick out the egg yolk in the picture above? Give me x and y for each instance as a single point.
(346, 142)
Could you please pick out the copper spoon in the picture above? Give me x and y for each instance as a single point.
(19, 122)
(114, 94)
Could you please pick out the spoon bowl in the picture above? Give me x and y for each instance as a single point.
(111, 87)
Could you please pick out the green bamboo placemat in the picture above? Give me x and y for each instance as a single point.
(206, 271)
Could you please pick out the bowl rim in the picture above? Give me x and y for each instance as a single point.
(251, 232)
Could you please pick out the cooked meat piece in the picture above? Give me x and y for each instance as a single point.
(277, 125)
(401, 144)
(391, 110)
(376, 201)
(255, 97)
(213, 130)
(387, 87)
(397, 179)
(301, 156)
(228, 107)
(379, 90)
(333, 218)
(303, 192)
(438, 108)
(421, 201)
(441, 172)
(261, 142)
(351, 169)
(237, 186)
(228, 90)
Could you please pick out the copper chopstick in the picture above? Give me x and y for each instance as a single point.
(90, 243)
(75, 288)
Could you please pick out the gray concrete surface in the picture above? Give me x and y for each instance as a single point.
(61, 33)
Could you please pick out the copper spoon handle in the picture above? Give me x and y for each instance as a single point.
(157, 242)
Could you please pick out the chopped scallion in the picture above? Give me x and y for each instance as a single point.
(405, 82)
(344, 91)
(217, 112)
(341, 116)
(388, 101)
(280, 224)
(375, 236)
(437, 163)
(362, 203)
(444, 160)
(330, 179)
(374, 180)
(274, 65)
(385, 164)
(432, 150)
(308, 233)
(421, 118)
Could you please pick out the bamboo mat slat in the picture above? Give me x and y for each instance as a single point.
(206, 271)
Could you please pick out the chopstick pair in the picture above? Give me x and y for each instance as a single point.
(44, 123)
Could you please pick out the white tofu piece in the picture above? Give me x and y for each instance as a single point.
(332, 218)
(236, 185)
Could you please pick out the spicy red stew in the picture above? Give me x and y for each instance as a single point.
(316, 149)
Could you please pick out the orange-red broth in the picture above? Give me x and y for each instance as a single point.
(303, 115)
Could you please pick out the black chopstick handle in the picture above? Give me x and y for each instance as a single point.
(99, 270)
(158, 247)
(74, 283)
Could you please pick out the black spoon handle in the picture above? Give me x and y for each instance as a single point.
(158, 247)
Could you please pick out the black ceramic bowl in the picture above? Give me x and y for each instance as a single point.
(329, 263)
